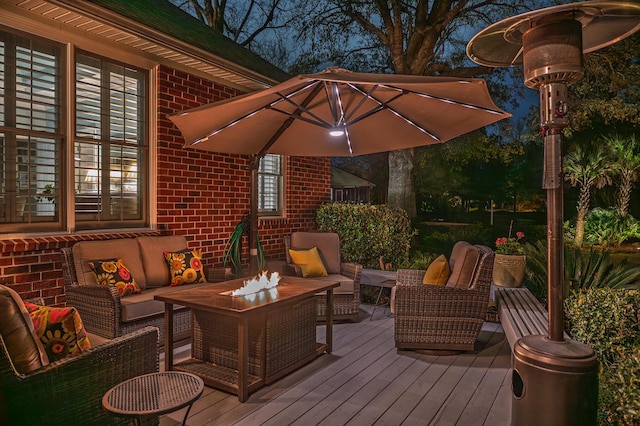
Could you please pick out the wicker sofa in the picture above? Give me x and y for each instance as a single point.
(104, 312)
(449, 317)
(346, 297)
(69, 391)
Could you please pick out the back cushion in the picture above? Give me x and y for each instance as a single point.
(16, 328)
(124, 248)
(328, 244)
(463, 263)
(152, 252)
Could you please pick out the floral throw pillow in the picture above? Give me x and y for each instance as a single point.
(59, 329)
(113, 272)
(185, 267)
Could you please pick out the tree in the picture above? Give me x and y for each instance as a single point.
(608, 94)
(407, 37)
(586, 169)
(626, 162)
(262, 26)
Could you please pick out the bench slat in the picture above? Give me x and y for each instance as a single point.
(521, 314)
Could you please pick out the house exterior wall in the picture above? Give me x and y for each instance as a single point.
(199, 194)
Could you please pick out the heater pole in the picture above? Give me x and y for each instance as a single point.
(555, 246)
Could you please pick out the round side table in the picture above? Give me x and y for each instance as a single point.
(154, 394)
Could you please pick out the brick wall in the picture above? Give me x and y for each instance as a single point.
(200, 195)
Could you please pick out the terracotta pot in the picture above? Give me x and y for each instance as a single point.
(508, 269)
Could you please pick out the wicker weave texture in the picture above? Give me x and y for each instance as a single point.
(282, 339)
(439, 317)
(70, 391)
(101, 310)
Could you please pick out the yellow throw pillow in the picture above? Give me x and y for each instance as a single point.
(437, 272)
(310, 262)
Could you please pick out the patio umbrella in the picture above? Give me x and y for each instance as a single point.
(338, 113)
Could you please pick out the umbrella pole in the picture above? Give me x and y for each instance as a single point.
(254, 164)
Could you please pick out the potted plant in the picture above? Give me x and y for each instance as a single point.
(510, 262)
(233, 249)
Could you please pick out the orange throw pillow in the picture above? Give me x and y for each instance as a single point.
(437, 272)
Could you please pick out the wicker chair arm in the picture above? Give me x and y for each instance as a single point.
(410, 276)
(351, 270)
(430, 300)
(99, 306)
(69, 391)
(293, 269)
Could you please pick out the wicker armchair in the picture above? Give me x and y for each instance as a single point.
(443, 318)
(69, 391)
(346, 298)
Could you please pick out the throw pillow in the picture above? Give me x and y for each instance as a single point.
(310, 262)
(438, 271)
(113, 272)
(59, 329)
(185, 267)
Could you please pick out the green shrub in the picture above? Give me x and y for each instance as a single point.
(608, 320)
(582, 269)
(368, 232)
(606, 227)
(605, 319)
(619, 399)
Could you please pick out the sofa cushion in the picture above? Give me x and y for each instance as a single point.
(59, 329)
(152, 250)
(438, 271)
(185, 267)
(328, 244)
(114, 273)
(123, 248)
(463, 263)
(16, 328)
(309, 261)
(346, 284)
(138, 306)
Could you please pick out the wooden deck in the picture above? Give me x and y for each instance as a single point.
(365, 381)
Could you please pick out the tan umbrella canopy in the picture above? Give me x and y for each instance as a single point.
(339, 113)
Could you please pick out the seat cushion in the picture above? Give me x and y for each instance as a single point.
(328, 244)
(138, 306)
(60, 330)
(463, 263)
(309, 261)
(152, 250)
(122, 248)
(26, 352)
(346, 286)
(438, 272)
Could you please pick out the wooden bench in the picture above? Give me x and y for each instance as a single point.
(521, 314)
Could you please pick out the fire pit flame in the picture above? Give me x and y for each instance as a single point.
(257, 284)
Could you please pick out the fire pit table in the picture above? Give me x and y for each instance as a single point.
(241, 343)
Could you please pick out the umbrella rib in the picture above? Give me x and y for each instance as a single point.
(385, 105)
(288, 121)
(449, 101)
(268, 105)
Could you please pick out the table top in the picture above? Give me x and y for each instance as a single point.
(215, 297)
(153, 394)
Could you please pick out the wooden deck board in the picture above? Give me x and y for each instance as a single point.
(366, 381)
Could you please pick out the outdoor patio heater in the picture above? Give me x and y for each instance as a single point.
(555, 380)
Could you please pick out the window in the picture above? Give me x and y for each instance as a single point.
(30, 134)
(109, 143)
(270, 185)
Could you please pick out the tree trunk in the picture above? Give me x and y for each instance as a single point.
(624, 195)
(583, 209)
(401, 192)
